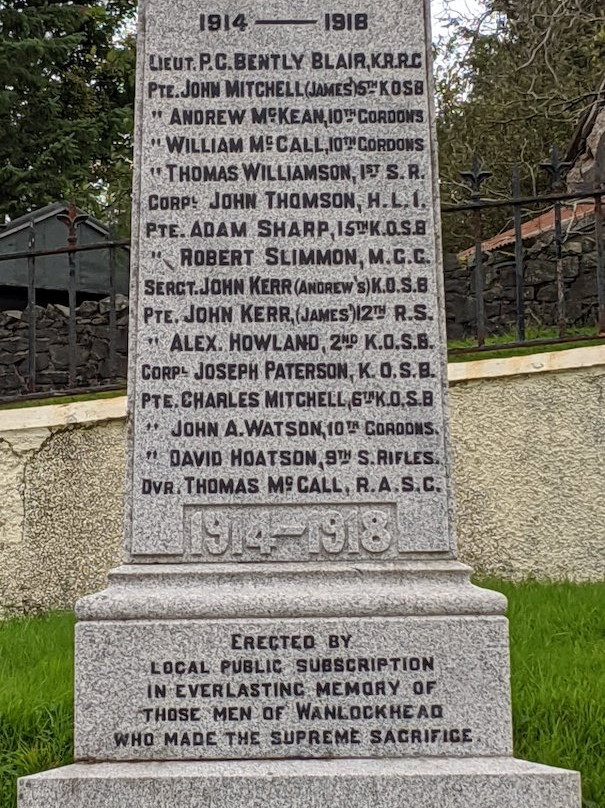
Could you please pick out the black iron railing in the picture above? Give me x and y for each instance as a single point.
(72, 383)
(518, 205)
(478, 257)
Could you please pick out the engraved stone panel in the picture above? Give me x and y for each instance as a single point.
(293, 688)
(283, 532)
(289, 340)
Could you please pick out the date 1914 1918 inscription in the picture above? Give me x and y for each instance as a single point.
(289, 342)
(279, 532)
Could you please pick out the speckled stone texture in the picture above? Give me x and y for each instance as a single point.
(336, 329)
(61, 522)
(205, 689)
(530, 476)
(173, 662)
(193, 591)
(464, 783)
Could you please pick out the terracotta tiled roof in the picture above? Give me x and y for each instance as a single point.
(536, 227)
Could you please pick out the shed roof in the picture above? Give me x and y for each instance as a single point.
(540, 225)
(47, 212)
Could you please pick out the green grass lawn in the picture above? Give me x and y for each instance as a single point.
(558, 683)
(558, 678)
(532, 333)
(36, 693)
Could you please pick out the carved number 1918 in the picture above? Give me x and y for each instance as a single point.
(346, 22)
(334, 534)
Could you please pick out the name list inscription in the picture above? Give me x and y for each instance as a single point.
(288, 336)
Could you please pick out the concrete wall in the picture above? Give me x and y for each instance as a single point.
(529, 460)
(61, 485)
(528, 437)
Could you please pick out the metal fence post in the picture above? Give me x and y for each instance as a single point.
(475, 178)
(520, 285)
(31, 310)
(112, 303)
(556, 169)
(72, 219)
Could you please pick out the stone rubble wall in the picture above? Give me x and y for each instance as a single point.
(579, 270)
(93, 334)
(528, 440)
(52, 346)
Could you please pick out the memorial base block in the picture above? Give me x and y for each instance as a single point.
(436, 783)
(166, 671)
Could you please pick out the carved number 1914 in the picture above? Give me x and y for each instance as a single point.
(222, 22)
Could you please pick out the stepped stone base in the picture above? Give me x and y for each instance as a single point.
(417, 612)
(394, 783)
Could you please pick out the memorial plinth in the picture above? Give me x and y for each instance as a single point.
(290, 623)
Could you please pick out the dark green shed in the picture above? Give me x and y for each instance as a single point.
(49, 232)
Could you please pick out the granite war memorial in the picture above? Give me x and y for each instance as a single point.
(290, 625)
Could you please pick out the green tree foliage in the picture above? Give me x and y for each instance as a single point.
(66, 101)
(513, 80)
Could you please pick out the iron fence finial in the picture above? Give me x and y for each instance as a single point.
(476, 177)
(556, 168)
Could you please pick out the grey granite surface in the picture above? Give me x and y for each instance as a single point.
(178, 591)
(288, 375)
(170, 690)
(447, 783)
